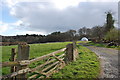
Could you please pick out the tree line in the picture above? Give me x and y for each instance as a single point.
(104, 33)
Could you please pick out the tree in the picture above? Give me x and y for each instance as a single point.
(109, 22)
(71, 34)
(82, 31)
(98, 32)
(56, 33)
(112, 35)
(85, 32)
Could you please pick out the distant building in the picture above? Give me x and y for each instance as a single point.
(84, 39)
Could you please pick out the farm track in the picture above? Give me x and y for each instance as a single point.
(108, 60)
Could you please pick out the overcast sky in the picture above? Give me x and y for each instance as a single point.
(46, 16)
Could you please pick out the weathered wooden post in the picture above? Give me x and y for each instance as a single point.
(71, 53)
(13, 55)
(69, 56)
(23, 54)
(75, 51)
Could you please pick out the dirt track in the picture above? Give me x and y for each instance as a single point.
(109, 61)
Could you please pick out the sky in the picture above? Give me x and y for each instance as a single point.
(19, 17)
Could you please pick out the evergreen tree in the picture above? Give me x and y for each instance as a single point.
(109, 22)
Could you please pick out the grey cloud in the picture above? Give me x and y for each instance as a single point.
(45, 17)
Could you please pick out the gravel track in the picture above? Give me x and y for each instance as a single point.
(108, 59)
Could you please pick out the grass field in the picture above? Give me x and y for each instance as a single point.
(87, 64)
(36, 50)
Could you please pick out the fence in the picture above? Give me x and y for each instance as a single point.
(46, 65)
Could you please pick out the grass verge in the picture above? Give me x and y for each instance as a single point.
(87, 66)
(102, 45)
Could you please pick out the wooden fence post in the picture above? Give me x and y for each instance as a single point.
(71, 53)
(75, 52)
(23, 54)
(13, 53)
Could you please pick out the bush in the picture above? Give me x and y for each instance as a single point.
(112, 35)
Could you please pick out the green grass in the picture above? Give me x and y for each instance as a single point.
(83, 42)
(103, 45)
(87, 66)
(36, 50)
(43, 49)
(6, 52)
(97, 44)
